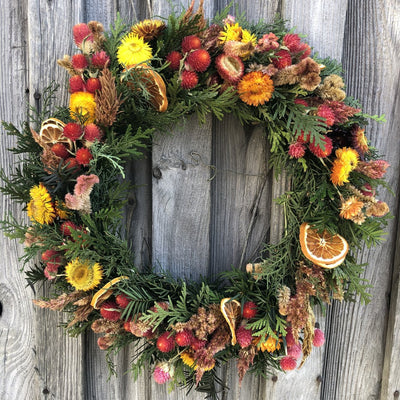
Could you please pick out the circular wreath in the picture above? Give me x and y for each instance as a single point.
(131, 82)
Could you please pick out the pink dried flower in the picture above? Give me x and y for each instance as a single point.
(100, 59)
(80, 200)
(79, 62)
(49, 273)
(244, 336)
(268, 42)
(290, 340)
(297, 150)
(294, 351)
(319, 338)
(283, 59)
(229, 20)
(288, 363)
(82, 32)
(341, 111)
(306, 51)
(163, 372)
(292, 42)
(317, 150)
(374, 169)
(325, 112)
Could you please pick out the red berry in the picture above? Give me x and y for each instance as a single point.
(109, 310)
(301, 101)
(190, 43)
(288, 363)
(127, 325)
(71, 164)
(249, 310)
(81, 32)
(79, 61)
(297, 150)
(184, 338)
(92, 133)
(189, 79)
(76, 84)
(294, 351)
(72, 131)
(174, 58)
(166, 342)
(244, 336)
(83, 156)
(100, 59)
(197, 344)
(319, 338)
(92, 84)
(199, 60)
(60, 150)
(290, 341)
(122, 300)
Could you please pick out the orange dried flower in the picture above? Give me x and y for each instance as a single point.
(350, 207)
(255, 88)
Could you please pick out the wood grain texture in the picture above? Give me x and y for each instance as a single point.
(17, 317)
(355, 351)
(181, 199)
(55, 372)
(197, 222)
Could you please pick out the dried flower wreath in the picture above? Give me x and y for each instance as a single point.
(128, 83)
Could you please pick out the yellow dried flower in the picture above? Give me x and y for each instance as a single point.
(133, 50)
(231, 32)
(270, 345)
(83, 275)
(40, 208)
(82, 106)
(148, 29)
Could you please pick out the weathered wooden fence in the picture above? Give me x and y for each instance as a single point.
(204, 203)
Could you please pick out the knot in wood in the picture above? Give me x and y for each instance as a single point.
(157, 173)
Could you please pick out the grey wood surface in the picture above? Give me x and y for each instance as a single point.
(211, 209)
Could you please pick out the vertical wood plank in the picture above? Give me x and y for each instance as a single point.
(371, 35)
(181, 207)
(181, 200)
(59, 357)
(137, 228)
(17, 341)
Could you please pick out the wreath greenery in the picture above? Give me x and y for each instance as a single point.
(130, 82)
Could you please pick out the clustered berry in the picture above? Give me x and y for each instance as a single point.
(190, 61)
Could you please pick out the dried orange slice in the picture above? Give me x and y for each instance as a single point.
(325, 250)
(231, 310)
(105, 292)
(155, 85)
(52, 132)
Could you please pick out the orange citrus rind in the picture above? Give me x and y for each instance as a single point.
(231, 310)
(52, 132)
(105, 292)
(325, 250)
